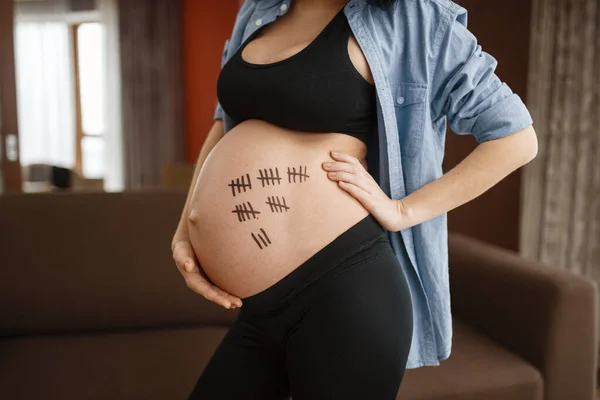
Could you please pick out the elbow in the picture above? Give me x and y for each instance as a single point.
(529, 144)
(522, 146)
(518, 148)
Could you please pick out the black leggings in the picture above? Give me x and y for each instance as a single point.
(337, 327)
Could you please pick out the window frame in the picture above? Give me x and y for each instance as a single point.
(80, 134)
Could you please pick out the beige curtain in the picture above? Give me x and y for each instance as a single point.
(561, 187)
(151, 74)
(561, 203)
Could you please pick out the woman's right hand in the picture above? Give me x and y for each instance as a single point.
(195, 279)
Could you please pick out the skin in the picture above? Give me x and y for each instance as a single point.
(489, 163)
(183, 254)
(319, 210)
(484, 167)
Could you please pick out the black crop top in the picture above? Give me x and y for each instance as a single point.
(316, 90)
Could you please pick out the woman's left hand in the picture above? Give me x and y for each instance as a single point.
(352, 177)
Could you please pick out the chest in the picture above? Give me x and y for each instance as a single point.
(390, 48)
(387, 47)
(294, 32)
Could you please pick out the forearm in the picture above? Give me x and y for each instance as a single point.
(483, 168)
(215, 134)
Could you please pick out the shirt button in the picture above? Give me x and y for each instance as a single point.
(283, 7)
(400, 100)
(258, 22)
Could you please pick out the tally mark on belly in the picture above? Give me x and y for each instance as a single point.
(245, 212)
(240, 185)
(263, 238)
(292, 174)
(268, 177)
(276, 204)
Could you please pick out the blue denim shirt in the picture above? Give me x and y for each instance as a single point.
(429, 71)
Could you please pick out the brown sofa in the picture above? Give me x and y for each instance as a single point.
(92, 307)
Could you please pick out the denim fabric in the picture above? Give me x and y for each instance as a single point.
(429, 71)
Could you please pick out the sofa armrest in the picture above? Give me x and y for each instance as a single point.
(546, 315)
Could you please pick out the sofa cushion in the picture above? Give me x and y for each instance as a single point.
(165, 364)
(478, 368)
(151, 364)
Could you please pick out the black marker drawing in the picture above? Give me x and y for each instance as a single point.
(292, 174)
(268, 177)
(240, 185)
(262, 239)
(245, 212)
(276, 204)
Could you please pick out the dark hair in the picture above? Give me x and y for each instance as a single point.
(381, 3)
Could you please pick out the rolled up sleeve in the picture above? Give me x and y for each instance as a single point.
(467, 90)
(219, 113)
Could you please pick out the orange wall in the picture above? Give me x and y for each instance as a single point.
(206, 26)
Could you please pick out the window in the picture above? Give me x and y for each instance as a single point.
(88, 59)
(44, 93)
(68, 87)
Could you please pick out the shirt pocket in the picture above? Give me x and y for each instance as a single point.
(409, 104)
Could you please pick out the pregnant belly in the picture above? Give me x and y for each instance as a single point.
(262, 204)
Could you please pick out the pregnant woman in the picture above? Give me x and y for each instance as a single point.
(318, 203)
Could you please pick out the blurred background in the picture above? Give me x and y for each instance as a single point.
(117, 96)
